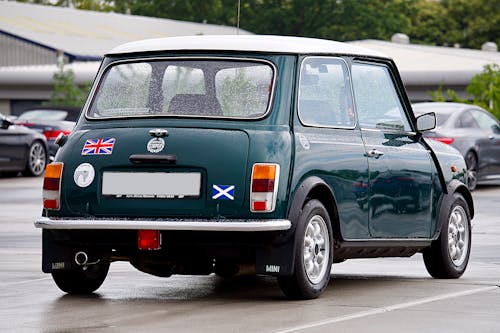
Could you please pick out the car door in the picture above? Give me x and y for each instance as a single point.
(328, 145)
(400, 169)
(488, 143)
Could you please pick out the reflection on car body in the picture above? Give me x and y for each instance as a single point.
(200, 155)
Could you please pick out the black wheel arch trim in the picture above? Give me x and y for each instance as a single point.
(455, 186)
(317, 188)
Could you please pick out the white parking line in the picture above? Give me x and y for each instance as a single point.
(387, 309)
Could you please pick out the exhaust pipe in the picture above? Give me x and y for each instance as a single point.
(81, 258)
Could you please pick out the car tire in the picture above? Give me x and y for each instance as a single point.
(313, 255)
(37, 160)
(472, 167)
(448, 255)
(82, 281)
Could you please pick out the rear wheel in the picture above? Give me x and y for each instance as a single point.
(448, 255)
(37, 160)
(313, 254)
(82, 281)
(472, 167)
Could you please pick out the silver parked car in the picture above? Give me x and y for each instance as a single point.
(473, 131)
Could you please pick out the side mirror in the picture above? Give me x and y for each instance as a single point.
(426, 122)
(6, 123)
(496, 129)
(61, 139)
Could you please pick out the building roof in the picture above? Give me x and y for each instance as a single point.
(245, 43)
(87, 35)
(423, 64)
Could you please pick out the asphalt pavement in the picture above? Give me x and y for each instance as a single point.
(365, 295)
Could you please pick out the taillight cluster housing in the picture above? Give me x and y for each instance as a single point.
(52, 186)
(264, 187)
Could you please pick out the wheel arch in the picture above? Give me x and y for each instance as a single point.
(281, 255)
(315, 188)
(453, 187)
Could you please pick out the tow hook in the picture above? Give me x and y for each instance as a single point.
(82, 259)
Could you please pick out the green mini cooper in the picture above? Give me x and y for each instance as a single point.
(209, 154)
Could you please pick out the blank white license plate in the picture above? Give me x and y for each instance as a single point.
(151, 184)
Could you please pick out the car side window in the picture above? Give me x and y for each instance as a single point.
(466, 120)
(377, 102)
(325, 97)
(484, 120)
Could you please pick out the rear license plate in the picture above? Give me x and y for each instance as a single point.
(153, 185)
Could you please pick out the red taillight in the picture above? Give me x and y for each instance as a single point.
(53, 134)
(52, 186)
(149, 239)
(264, 187)
(445, 140)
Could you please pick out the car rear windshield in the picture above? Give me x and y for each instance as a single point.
(225, 88)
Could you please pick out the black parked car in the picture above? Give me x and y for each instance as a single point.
(51, 122)
(21, 149)
(471, 130)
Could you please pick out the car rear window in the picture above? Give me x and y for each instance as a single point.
(225, 88)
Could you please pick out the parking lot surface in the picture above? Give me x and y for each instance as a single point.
(372, 295)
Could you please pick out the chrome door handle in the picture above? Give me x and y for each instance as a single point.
(374, 153)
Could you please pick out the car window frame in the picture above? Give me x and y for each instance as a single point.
(486, 114)
(106, 67)
(349, 82)
(396, 82)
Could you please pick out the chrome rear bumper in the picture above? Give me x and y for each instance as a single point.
(159, 224)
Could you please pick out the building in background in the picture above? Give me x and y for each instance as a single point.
(425, 68)
(34, 37)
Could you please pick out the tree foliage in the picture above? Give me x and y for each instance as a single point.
(484, 90)
(485, 87)
(469, 23)
(66, 91)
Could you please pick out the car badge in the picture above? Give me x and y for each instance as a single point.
(304, 142)
(156, 145)
(84, 175)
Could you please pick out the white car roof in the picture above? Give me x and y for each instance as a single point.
(250, 43)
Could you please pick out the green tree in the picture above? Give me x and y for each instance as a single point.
(431, 23)
(469, 23)
(66, 91)
(485, 87)
(477, 21)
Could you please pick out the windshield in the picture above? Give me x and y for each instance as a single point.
(201, 87)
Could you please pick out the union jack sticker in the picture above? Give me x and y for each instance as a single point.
(102, 146)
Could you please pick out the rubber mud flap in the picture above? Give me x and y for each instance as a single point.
(275, 260)
(54, 256)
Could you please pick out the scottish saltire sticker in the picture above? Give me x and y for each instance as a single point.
(223, 192)
(102, 146)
